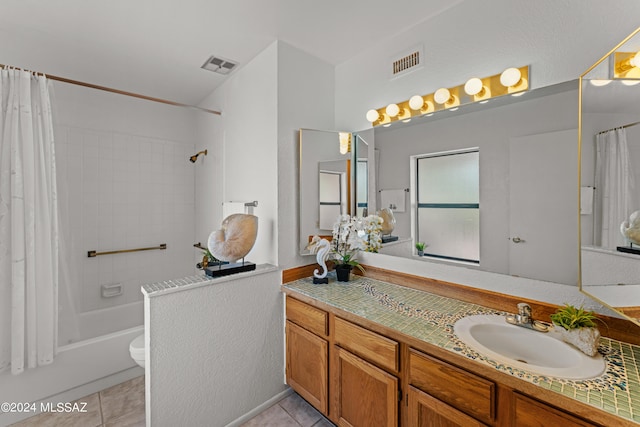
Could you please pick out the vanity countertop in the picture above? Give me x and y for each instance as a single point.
(430, 318)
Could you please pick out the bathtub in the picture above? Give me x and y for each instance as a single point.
(80, 368)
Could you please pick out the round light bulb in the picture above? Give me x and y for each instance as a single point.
(599, 82)
(442, 95)
(392, 110)
(373, 115)
(510, 77)
(630, 82)
(473, 86)
(416, 102)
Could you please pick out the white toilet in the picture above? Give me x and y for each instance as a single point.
(136, 348)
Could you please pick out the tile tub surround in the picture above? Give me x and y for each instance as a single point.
(430, 318)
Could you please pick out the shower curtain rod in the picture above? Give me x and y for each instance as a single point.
(619, 127)
(120, 92)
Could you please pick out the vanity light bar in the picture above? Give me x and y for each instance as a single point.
(626, 65)
(511, 81)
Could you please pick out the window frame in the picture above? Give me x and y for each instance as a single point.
(416, 205)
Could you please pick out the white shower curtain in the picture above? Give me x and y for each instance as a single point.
(28, 223)
(614, 187)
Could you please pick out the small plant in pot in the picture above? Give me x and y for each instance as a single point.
(208, 260)
(420, 248)
(577, 327)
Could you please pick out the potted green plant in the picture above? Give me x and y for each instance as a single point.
(420, 248)
(577, 327)
(208, 260)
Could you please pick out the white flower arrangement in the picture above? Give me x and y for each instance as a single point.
(353, 234)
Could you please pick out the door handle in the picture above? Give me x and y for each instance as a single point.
(517, 240)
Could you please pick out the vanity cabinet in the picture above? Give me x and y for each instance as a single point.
(427, 411)
(528, 412)
(365, 387)
(460, 392)
(307, 353)
(365, 395)
(359, 377)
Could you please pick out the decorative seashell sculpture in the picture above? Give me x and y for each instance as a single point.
(631, 229)
(388, 220)
(321, 248)
(235, 238)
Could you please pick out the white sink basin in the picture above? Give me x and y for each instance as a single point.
(537, 352)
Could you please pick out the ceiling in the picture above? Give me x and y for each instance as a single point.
(156, 47)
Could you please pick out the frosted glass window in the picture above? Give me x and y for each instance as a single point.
(448, 209)
(450, 178)
(330, 199)
(329, 187)
(450, 233)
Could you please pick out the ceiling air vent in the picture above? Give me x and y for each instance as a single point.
(406, 62)
(219, 65)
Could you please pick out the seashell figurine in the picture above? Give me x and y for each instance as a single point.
(235, 238)
(631, 229)
(388, 221)
(320, 247)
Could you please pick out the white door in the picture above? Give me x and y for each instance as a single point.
(543, 203)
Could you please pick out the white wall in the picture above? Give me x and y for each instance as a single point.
(558, 39)
(253, 147)
(305, 100)
(215, 351)
(124, 182)
(243, 145)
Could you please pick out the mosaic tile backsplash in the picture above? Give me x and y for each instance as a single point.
(430, 318)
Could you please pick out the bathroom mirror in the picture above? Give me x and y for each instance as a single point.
(527, 218)
(610, 179)
(364, 179)
(325, 183)
(515, 135)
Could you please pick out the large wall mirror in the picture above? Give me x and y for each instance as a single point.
(326, 181)
(525, 168)
(610, 179)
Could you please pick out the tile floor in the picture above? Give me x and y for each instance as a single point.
(119, 406)
(123, 406)
(292, 411)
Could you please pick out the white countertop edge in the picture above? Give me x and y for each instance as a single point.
(207, 281)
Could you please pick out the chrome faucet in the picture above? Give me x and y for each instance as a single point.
(524, 319)
(524, 313)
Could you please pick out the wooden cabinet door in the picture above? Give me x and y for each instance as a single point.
(457, 387)
(427, 411)
(366, 395)
(531, 413)
(307, 365)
